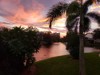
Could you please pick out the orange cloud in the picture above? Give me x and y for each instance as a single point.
(30, 12)
(23, 16)
(19, 11)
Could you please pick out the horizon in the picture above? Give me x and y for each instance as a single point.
(33, 13)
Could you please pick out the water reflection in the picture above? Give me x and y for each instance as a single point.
(57, 49)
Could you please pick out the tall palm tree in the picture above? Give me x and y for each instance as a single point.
(84, 23)
(76, 13)
(72, 11)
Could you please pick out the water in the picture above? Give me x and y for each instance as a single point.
(57, 49)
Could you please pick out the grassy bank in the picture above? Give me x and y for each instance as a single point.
(65, 65)
(92, 64)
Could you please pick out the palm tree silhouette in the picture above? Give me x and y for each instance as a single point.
(72, 11)
(78, 20)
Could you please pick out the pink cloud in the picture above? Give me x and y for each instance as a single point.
(16, 12)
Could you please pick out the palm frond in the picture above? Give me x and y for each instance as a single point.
(50, 23)
(86, 5)
(95, 16)
(71, 23)
(73, 12)
(76, 26)
(86, 24)
(56, 11)
(73, 8)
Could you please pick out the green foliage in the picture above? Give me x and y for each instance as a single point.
(49, 38)
(63, 39)
(72, 11)
(73, 44)
(55, 37)
(73, 8)
(96, 37)
(23, 41)
(56, 11)
(96, 34)
(17, 46)
(72, 21)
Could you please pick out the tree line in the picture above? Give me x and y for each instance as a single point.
(17, 46)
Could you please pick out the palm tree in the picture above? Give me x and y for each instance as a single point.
(76, 12)
(72, 11)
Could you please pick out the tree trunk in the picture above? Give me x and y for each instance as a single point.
(81, 57)
(81, 51)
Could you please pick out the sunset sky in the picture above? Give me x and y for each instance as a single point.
(31, 13)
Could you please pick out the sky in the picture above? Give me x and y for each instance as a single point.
(30, 13)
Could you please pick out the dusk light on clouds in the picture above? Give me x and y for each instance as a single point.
(31, 13)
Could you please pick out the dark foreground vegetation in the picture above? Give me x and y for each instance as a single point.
(65, 65)
(17, 46)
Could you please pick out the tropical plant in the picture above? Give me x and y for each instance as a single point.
(17, 46)
(24, 42)
(76, 13)
(72, 11)
(73, 44)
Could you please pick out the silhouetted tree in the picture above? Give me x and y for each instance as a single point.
(76, 12)
(96, 37)
(18, 45)
(73, 44)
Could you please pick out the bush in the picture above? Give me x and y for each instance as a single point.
(73, 44)
(16, 47)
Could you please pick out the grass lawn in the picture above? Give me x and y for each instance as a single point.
(65, 65)
(92, 64)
